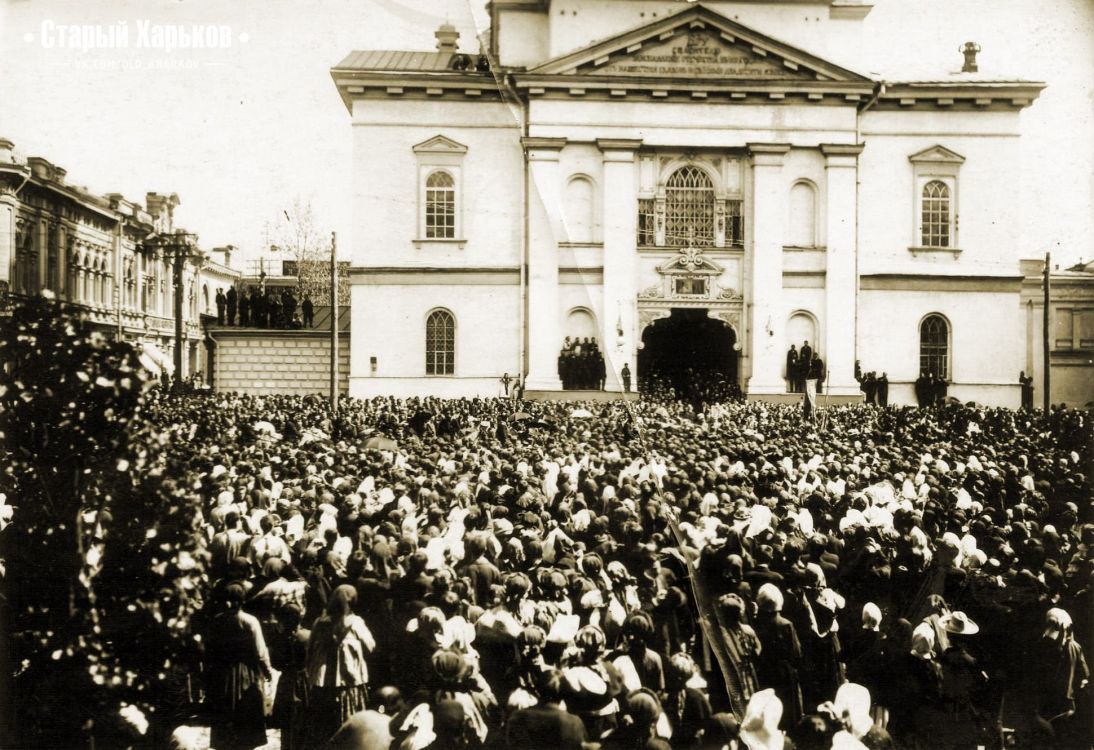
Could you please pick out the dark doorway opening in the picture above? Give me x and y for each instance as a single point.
(691, 353)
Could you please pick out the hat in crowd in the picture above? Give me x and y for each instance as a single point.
(1057, 620)
(759, 730)
(644, 707)
(769, 598)
(923, 640)
(852, 704)
(450, 666)
(871, 616)
(958, 623)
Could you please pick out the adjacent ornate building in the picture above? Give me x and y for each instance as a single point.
(103, 254)
(601, 165)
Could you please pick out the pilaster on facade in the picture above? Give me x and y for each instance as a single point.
(841, 278)
(768, 229)
(619, 326)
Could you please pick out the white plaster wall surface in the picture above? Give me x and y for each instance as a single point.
(387, 184)
(980, 354)
(389, 323)
(691, 125)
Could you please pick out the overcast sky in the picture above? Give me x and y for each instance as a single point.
(241, 132)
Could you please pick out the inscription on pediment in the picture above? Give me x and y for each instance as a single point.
(698, 53)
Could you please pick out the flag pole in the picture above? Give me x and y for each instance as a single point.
(1046, 371)
(333, 324)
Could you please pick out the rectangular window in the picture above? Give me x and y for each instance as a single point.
(440, 207)
(1086, 329)
(1064, 328)
(735, 224)
(647, 222)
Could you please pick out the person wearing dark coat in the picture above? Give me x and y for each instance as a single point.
(244, 308)
(625, 374)
(780, 657)
(792, 369)
(288, 307)
(883, 390)
(236, 665)
(220, 302)
(546, 725)
(230, 300)
(307, 309)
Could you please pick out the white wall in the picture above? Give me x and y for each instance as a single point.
(989, 212)
(984, 359)
(389, 324)
(386, 194)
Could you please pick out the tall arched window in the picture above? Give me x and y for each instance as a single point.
(934, 346)
(803, 215)
(440, 343)
(440, 206)
(935, 221)
(580, 210)
(689, 208)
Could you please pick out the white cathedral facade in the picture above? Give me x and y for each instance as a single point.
(604, 167)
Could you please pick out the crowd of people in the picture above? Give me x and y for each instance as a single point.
(802, 365)
(874, 387)
(581, 365)
(263, 307)
(491, 573)
(700, 388)
(931, 389)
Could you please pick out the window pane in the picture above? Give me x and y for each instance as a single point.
(647, 222)
(440, 343)
(689, 208)
(440, 206)
(934, 344)
(935, 215)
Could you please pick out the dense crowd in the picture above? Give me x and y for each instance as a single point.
(494, 573)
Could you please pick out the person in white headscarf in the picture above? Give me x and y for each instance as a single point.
(1059, 678)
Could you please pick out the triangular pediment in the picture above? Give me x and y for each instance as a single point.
(439, 144)
(937, 155)
(697, 43)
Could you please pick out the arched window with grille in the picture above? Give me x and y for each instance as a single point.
(689, 208)
(935, 220)
(440, 343)
(440, 206)
(934, 346)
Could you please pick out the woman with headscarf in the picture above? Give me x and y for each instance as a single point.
(591, 684)
(337, 670)
(916, 695)
(236, 666)
(743, 649)
(1060, 676)
(780, 655)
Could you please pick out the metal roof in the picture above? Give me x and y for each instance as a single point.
(397, 60)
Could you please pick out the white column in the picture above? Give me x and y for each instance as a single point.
(544, 230)
(769, 196)
(620, 201)
(840, 284)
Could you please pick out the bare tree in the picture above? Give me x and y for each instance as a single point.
(297, 237)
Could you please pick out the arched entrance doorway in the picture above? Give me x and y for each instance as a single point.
(690, 352)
